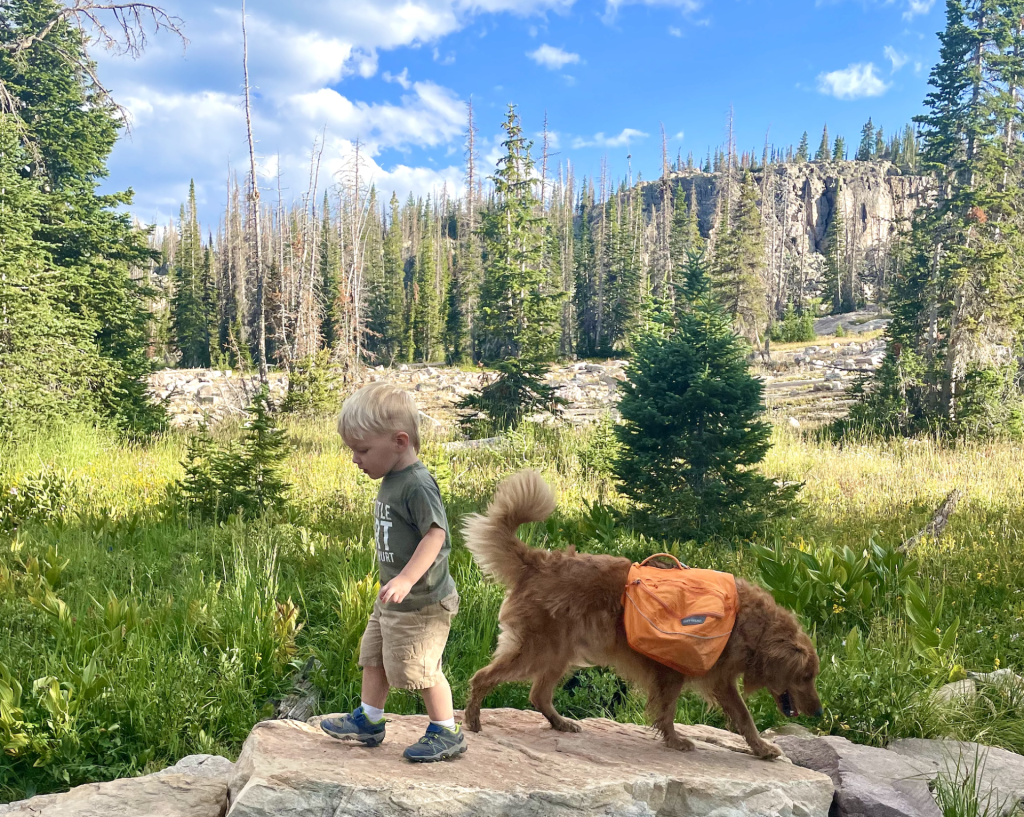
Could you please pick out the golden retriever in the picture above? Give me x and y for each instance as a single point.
(564, 610)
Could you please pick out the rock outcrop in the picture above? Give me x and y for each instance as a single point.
(899, 781)
(518, 766)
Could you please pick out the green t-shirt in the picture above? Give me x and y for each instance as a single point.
(408, 504)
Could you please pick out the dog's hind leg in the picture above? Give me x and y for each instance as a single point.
(541, 696)
(735, 708)
(510, 666)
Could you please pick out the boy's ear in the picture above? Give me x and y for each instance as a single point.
(402, 439)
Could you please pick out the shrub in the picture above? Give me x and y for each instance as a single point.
(793, 328)
(519, 391)
(314, 387)
(236, 477)
(691, 429)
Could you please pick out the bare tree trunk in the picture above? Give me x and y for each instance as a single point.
(254, 214)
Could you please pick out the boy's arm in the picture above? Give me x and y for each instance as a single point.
(422, 558)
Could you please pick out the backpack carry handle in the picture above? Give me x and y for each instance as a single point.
(679, 564)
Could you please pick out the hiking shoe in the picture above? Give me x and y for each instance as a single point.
(355, 726)
(440, 743)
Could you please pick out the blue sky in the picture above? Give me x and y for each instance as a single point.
(396, 75)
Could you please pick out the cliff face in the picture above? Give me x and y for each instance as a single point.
(798, 202)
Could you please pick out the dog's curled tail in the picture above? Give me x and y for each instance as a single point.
(520, 498)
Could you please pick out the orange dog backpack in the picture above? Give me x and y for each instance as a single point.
(679, 616)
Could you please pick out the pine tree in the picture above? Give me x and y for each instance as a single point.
(838, 285)
(519, 313)
(803, 151)
(866, 148)
(585, 275)
(426, 334)
(71, 127)
(839, 150)
(190, 299)
(962, 283)
(739, 264)
(691, 426)
(880, 151)
(824, 152)
(394, 283)
(46, 358)
(329, 257)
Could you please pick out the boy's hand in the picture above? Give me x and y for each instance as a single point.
(395, 590)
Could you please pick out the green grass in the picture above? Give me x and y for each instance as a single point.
(161, 636)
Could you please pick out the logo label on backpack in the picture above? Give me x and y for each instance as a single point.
(689, 621)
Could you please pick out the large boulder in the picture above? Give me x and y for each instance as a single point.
(155, 795)
(869, 782)
(517, 766)
(995, 774)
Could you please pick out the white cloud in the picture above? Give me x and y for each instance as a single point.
(402, 79)
(187, 107)
(853, 82)
(612, 7)
(675, 32)
(553, 57)
(679, 136)
(897, 59)
(915, 7)
(624, 139)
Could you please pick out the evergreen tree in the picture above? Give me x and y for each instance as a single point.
(71, 128)
(518, 313)
(191, 298)
(329, 256)
(839, 150)
(803, 151)
(824, 151)
(866, 148)
(426, 332)
(691, 426)
(375, 281)
(585, 279)
(739, 264)
(880, 151)
(394, 282)
(962, 284)
(838, 287)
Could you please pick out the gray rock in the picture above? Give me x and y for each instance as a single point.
(518, 766)
(869, 782)
(155, 795)
(207, 766)
(965, 690)
(999, 773)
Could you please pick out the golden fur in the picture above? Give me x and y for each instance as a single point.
(564, 609)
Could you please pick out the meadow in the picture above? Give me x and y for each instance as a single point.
(134, 634)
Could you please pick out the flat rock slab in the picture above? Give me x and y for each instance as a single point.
(999, 774)
(517, 767)
(869, 782)
(159, 795)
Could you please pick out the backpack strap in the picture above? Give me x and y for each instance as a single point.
(679, 564)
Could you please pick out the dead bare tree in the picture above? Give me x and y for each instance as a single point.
(256, 245)
(120, 28)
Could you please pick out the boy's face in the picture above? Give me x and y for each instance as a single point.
(376, 456)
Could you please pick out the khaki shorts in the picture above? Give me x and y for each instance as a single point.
(409, 645)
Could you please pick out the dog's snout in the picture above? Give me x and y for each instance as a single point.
(819, 711)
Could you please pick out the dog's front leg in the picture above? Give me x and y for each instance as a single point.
(662, 695)
(735, 708)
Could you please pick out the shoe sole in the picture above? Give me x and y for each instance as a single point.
(449, 755)
(370, 741)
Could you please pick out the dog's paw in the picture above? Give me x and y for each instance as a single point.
(766, 751)
(471, 723)
(566, 725)
(680, 744)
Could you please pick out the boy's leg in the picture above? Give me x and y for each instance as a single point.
(366, 723)
(438, 700)
(375, 687)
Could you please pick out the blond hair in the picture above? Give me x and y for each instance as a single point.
(379, 409)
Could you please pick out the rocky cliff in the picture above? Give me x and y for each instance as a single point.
(799, 201)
